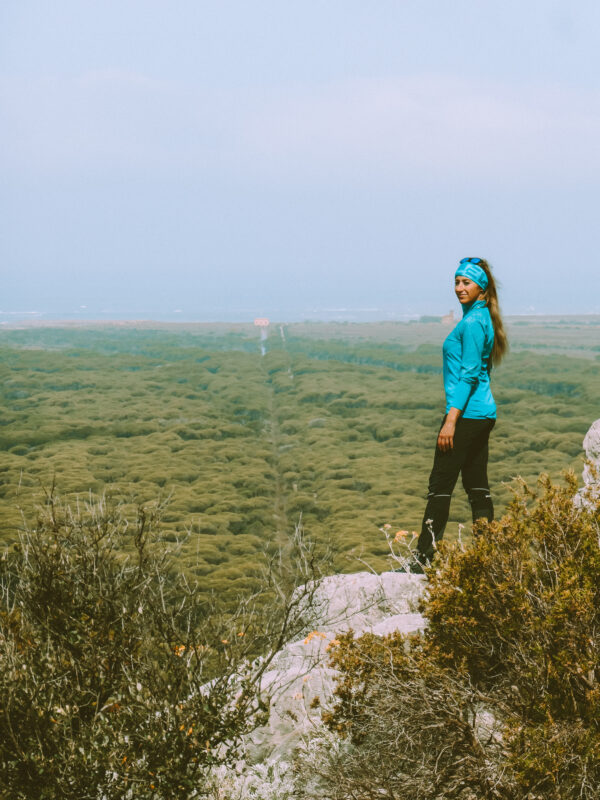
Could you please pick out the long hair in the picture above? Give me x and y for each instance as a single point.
(491, 298)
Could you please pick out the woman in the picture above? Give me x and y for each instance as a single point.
(475, 344)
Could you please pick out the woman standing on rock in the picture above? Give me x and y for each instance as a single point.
(470, 350)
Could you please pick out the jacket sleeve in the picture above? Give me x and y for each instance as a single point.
(473, 341)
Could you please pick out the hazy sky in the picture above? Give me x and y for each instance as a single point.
(271, 156)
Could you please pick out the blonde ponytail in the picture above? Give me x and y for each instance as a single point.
(490, 296)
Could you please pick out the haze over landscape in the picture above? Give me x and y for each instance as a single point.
(205, 160)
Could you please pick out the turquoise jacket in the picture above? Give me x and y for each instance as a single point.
(467, 364)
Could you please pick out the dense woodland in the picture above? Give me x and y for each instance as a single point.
(334, 424)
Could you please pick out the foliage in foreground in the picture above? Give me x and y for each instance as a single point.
(116, 674)
(500, 698)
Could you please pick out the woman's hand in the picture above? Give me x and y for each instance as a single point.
(445, 440)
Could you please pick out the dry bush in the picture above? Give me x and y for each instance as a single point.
(118, 679)
(500, 698)
(410, 728)
(521, 609)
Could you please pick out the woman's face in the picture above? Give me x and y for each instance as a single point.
(466, 290)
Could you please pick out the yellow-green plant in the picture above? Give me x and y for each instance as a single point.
(500, 697)
(520, 610)
(118, 677)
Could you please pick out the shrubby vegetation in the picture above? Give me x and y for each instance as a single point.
(336, 423)
(118, 678)
(500, 697)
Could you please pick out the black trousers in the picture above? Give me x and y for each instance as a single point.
(468, 457)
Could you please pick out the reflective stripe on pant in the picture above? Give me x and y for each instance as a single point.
(469, 456)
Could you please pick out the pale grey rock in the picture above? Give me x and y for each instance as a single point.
(403, 623)
(364, 599)
(590, 493)
(300, 673)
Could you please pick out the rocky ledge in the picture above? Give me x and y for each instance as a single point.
(590, 492)
(363, 602)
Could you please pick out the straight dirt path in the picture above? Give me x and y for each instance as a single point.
(283, 528)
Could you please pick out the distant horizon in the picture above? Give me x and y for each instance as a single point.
(246, 316)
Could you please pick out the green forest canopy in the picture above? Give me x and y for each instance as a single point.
(335, 425)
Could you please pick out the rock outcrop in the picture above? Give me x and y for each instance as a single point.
(591, 472)
(300, 673)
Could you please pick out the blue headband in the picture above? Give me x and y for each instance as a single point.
(473, 272)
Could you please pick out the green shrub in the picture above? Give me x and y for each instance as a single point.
(500, 697)
(521, 609)
(116, 672)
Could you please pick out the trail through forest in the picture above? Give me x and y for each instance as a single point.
(283, 528)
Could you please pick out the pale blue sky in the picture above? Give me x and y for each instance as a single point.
(273, 156)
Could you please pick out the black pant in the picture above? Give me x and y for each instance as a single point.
(469, 456)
